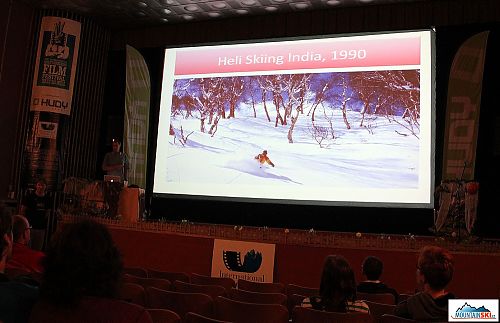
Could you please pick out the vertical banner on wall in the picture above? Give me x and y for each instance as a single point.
(135, 136)
(462, 111)
(251, 261)
(55, 67)
(52, 93)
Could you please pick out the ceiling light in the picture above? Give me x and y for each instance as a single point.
(142, 4)
(248, 2)
(166, 11)
(188, 17)
(365, 1)
(242, 11)
(214, 14)
(191, 8)
(219, 5)
(301, 5)
(169, 2)
(164, 19)
(333, 2)
(271, 9)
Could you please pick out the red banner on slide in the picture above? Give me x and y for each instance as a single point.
(299, 55)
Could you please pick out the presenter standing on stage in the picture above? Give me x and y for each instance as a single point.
(116, 162)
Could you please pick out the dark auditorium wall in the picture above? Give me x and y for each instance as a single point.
(16, 35)
(455, 20)
(84, 136)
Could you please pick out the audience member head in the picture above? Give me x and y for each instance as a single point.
(338, 284)
(21, 229)
(435, 267)
(40, 186)
(5, 236)
(82, 260)
(372, 267)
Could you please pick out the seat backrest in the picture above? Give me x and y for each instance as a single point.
(309, 315)
(384, 298)
(379, 309)
(403, 297)
(261, 287)
(301, 290)
(211, 290)
(163, 315)
(242, 312)
(132, 293)
(148, 282)
(388, 318)
(181, 303)
(198, 318)
(136, 271)
(225, 282)
(294, 300)
(169, 275)
(256, 297)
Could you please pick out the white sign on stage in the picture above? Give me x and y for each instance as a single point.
(251, 261)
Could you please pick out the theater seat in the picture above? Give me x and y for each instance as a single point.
(227, 283)
(309, 315)
(148, 282)
(256, 297)
(211, 290)
(136, 271)
(163, 316)
(261, 287)
(387, 318)
(132, 293)
(379, 309)
(384, 298)
(197, 318)
(180, 303)
(242, 312)
(169, 275)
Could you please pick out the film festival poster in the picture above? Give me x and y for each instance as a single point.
(55, 67)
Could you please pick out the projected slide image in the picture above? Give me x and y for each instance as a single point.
(322, 134)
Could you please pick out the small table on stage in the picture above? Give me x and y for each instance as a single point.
(129, 203)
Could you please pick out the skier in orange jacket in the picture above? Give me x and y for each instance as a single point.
(262, 158)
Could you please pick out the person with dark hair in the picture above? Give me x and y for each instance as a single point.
(36, 207)
(83, 270)
(434, 272)
(372, 269)
(16, 298)
(23, 257)
(337, 290)
(116, 162)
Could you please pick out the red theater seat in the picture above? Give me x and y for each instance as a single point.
(225, 282)
(241, 312)
(261, 287)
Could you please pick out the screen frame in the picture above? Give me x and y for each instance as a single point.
(432, 94)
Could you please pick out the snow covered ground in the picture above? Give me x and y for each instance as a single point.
(362, 163)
